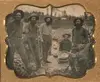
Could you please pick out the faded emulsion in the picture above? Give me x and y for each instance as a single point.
(50, 41)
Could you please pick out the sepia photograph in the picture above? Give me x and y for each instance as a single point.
(50, 41)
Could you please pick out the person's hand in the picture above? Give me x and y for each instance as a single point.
(40, 38)
(81, 46)
(23, 36)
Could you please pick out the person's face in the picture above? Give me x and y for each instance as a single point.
(66, 37)
(78, 23)
(48, 20)
(33, 19)
(18, 16)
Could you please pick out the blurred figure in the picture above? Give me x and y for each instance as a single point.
(9, 18)
(65, 44)
(25, 19)
(55, 47)
(46, 29)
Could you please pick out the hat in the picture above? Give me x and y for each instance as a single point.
(66, 34)
(82, 21)
(34, 15)
(47, 18)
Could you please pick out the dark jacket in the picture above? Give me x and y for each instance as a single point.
(65, 45)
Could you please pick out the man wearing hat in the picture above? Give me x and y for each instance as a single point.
(30, 40)
(14, 31)
(79, 34)
(46, 29)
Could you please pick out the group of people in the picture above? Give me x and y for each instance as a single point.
(30, 43)
(79, 36)
(81, 53)
(28, 39)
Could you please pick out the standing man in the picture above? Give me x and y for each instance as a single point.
(46, 29)
(79, 34)
(14, 31)
(31, 42)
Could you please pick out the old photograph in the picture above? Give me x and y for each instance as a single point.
(50, 41)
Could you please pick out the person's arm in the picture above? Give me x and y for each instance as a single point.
(73, 36)
(86, 36)
(9, 28)
(41, 32)
(70, 43)
(60, 47)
